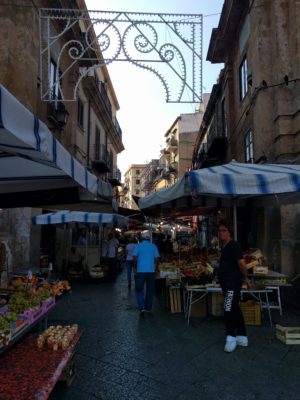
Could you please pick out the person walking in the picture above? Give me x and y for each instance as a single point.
(129, 249)
(145, 264)
(232, 273)
(112, 247)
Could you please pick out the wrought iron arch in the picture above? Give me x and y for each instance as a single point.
(168, 45)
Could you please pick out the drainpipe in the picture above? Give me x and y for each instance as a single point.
(88, 134)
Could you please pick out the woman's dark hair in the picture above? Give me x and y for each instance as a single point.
(228, 226)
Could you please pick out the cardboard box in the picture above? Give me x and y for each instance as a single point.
(251, 312)
(199, 308)
(216, 304)
(260, 270)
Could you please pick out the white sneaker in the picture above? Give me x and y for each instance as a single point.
(242, 341)
(230, 344)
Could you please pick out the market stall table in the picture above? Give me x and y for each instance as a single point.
(30, 373)
(274, 281)
(189, 291)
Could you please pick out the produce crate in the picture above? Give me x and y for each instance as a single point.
(260, 270)
(19, 325)
(216, 304)
(34, 314)
(47, 304)
(174, 295)
(288, 335)
(251, 312)
(199, 307)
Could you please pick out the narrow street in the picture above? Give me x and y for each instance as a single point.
(124, 357)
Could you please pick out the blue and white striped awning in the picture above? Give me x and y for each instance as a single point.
(64, 217)
(33, 159)
(218, 186)
(245, 180)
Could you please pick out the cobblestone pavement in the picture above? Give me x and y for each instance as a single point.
(122, 356)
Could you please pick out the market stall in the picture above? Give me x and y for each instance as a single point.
(89, 248)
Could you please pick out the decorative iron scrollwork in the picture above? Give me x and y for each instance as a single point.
(168, 45)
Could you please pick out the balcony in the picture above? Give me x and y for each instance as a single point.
(118, 128)
(171, 143)
(114, 177)
(100, 159)
(216, 141)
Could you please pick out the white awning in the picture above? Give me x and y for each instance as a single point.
(64, 217)
(32, 159)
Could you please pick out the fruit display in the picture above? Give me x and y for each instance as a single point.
(20, 283)
(57, 337)
(58, 288)
(21, 301)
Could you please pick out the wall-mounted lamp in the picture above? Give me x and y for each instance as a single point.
(61, 114)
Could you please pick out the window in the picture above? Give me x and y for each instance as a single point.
(137, 172)
(137, 191)
(243, 78)
(80, 113)
(137, 181)
(53, 81)
(249, 147)
(224, 119)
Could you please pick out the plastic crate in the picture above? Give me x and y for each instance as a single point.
(19, 325)
(251, 312)
(288, 335)
(34, 314)
(48, 304)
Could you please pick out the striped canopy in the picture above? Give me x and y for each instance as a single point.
(250, 180)
(32, 159)
(64, 217)
(201, 189)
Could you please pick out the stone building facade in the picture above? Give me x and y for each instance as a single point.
(133, 184)
(257, 107)
(91, 134)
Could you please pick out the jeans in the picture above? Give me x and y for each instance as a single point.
(145, 301)
(129, 266)
(234, 319)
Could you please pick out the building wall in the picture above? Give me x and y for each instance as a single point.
(268, 35)
(131, 175)
(20, 74)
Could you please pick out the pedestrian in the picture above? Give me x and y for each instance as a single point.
(112, 248)
(129, 249)
(232, 273)
(145, 264)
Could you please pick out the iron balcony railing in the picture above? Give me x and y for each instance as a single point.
(115, 174)
(118, 128)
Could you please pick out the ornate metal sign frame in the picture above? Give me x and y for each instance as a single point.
(168, 45)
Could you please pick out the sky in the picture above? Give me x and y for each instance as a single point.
(144, 114)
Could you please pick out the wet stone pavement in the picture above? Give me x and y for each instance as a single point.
(122, 356)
